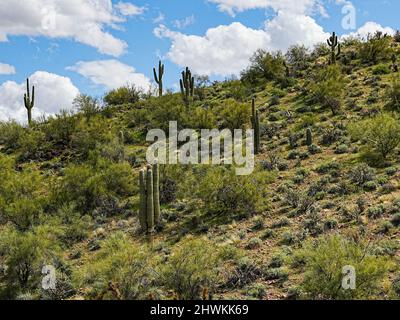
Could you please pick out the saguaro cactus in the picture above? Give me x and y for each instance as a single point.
(29, 103)
(255, 121)
(159, 78)
(333, 43)
(149, 183)
(309, 138)
(187, 85)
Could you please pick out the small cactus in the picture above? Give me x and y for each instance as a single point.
(187, 86)
(334, 43)
(255, 121)
(309, 137)
(29, 103)
(149, 183)
(159, 78)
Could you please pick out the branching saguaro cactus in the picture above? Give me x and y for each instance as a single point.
(187, 86)
(255, 122)
(309, 137)
(334, 43)
(149, 182)
(29, 102)
(159, 78)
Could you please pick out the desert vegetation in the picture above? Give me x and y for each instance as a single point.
(77, 193)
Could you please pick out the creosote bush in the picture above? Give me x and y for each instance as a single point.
(323, 261)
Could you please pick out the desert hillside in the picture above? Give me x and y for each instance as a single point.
(324, 193)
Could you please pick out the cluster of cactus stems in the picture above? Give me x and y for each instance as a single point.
(159, 78)
(309, 137)
(149, 182)
(29, 101)
(334, 43)
(255, 122)
(187, 86)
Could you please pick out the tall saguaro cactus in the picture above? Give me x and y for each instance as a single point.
(334, 43)
(159, 78)
(187, 85)
(149, 183)
(255, 122)
(309, 137)
(29, 102)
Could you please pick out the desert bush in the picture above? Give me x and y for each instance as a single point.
(192, 266)
(11, 134)
(225, 193)
(393, 94)
(361, 174)
(21, 200)
(381, 133)
(323, 263)
(328, 88)
(298, 57)
(234, 115)
(124, 95)
(88, 185)
(264, 67)
(119, 270)
(375, 49)
(25, 253)
(87, 106)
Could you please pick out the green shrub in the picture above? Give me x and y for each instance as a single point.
(393, 94)
(11, 134)
(381, 133)
(323, 263)
(225, 193)
(328, 88)
(375, 49)
(87, 186)
(192, 266)
(25, 253)
(123, 95)
(381, 69)
(121, 265)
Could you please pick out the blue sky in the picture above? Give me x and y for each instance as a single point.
(142, 31)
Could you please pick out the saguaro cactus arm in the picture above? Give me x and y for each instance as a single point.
(255, 122)
(334, 43)
(28, 101)
(159, 78)
(187, 85)
(143, 200)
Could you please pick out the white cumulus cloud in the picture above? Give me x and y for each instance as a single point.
(370, 28)
(111, 74)
(129, 9)
(6, 69)
(226, 50)
(84, 21)
(298, 6)
(52, 94)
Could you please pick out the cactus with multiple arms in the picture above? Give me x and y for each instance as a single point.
(187, 85)
(149, 183)
(255, 121)
(29, 103)
(334, 43)
(159, 78)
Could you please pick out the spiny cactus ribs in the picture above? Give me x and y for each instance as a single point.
(255, 121)
(159, 78)
(187, 85)
(149, 183)
(29, 103)
(334, 43)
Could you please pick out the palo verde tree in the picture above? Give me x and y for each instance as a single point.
(159, 78)
(187, 86)
(334, 43)
(28, 101)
